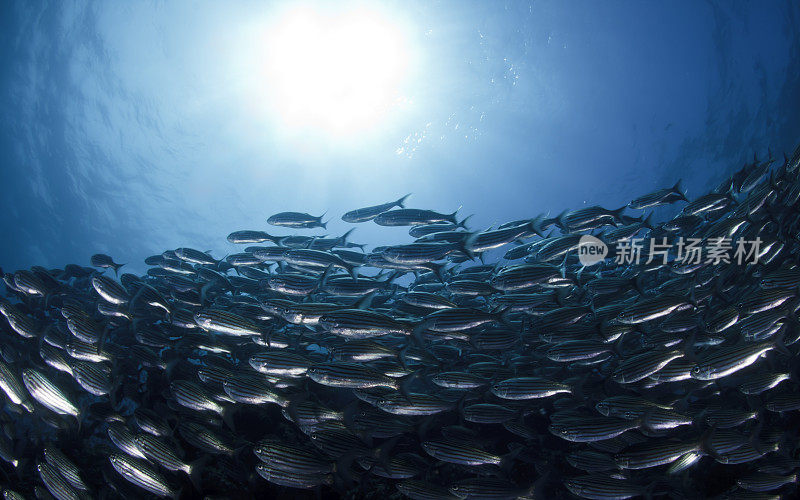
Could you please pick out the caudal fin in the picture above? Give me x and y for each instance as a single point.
(116, 268)
(452, 217)
(678, 189)
(401, 202)
(648, 222)
(463, 222)
(343, 238)
(196, 472)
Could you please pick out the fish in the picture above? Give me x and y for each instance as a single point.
(55, 483)
(414, 217)
(142, 475)
(65, 467)
(368, 213)
(453, 362)
(297, 220)
(47, 393)
(660, 197)
(104, 261)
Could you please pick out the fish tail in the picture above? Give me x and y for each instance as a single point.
(401, 202)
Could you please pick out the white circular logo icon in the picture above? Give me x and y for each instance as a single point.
(591, 250)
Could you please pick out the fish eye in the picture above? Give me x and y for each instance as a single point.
(628, 414)
(313, 435)
(696, 369)
(381, 401)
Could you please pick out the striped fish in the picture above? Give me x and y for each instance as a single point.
(30, 283)
(528, 388)
(350, 376)
(47, 393)
(247, 236)
(600, 487)
(85, 329)
(86, 351)
(458, 452)
(413, 217)
(782, 278)
(124, 439)
(643, 365)
(413, 404)
(226, 323)
(317, 258)
(760, 382)
(193, 256)
(654, 453)
(194, 397)
(105, 261)
(660, 197)
(368, 213)
(291, 458)
(280, 364)
(206, 440)
(459, 318)
(577, 350)
(511, 279)
(139, 473)
(151, 422)
(458, 380)
(65, 467)
(292, 479)
(13, 386)
(298, 285)
(488, 413)
(591, 461)
(585, 430)
(422, 490)
(95, 378)
(251, 389)
(361, 324)
(765, 482)
(362, 351)
(25, 326)
(157, 450)
(55, 482)
(653, 308)
(426, 300)
(298, 220)
(726, 360)
(110, 290)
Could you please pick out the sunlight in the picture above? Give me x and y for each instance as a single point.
(334, 72)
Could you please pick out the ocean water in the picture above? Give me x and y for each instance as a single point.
(133, 128)
(130, 128)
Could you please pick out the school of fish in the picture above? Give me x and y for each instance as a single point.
(462, 364)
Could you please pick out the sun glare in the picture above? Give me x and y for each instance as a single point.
(337, 72)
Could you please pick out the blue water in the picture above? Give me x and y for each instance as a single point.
(130, 128)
